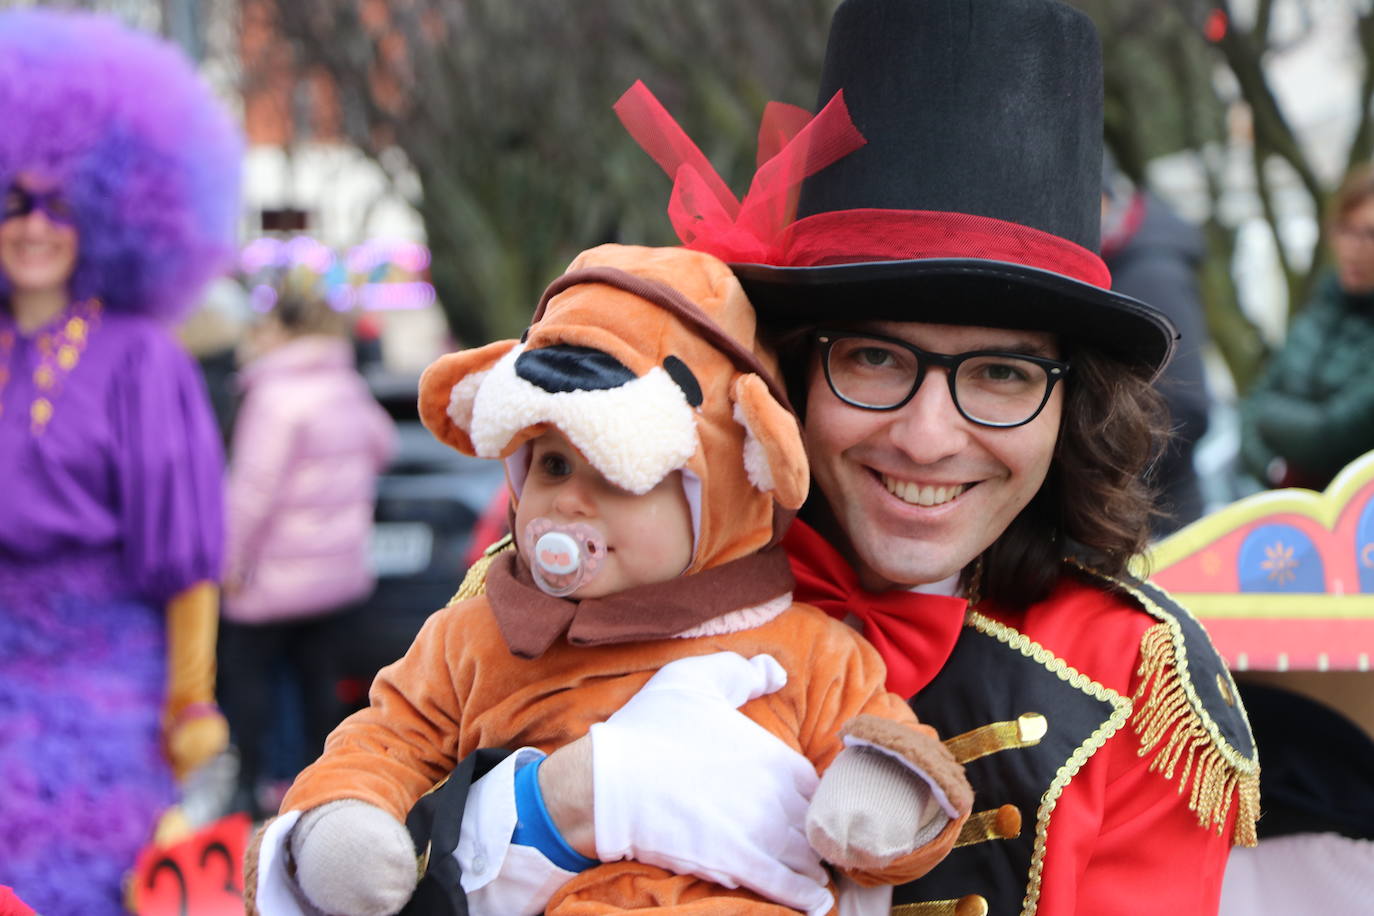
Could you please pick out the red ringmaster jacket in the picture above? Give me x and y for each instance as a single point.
(1102, 713)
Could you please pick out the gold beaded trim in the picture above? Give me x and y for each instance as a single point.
(1121, 711)
(1175, 725)
(475, 581)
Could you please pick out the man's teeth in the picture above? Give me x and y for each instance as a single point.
(918, 495)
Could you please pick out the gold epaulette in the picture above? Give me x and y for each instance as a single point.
(1188, 714)
(475, 581)
(1171, 727)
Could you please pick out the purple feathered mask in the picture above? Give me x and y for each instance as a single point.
(143, 151)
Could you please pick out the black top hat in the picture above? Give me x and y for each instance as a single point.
(976, 199)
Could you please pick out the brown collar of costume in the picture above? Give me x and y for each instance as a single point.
(531, 621)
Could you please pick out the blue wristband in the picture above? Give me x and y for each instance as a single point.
(534, 827)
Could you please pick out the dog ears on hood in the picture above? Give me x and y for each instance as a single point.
(447, 390)
(774, 456)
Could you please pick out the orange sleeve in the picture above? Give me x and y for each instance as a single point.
(406, 739)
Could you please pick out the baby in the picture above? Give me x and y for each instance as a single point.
(653, 464)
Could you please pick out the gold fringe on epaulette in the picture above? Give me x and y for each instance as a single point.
(475, 581)
(1168, 724)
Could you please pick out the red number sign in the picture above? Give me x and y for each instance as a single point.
(201, 875)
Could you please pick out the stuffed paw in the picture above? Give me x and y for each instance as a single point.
(871, 809)
(353, 859)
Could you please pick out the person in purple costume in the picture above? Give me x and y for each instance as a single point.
(120, 179)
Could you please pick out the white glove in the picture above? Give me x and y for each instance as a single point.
(354, 859)
(684, 781)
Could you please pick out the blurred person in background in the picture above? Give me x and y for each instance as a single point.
(1312, 411)
(1310, 414)
(1154, 256)
(120, 178)
(309, 442)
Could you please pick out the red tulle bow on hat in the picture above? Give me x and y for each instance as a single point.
(705, 213)
(793, 145)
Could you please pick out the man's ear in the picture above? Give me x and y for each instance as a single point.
(774, 456)
(448, 388)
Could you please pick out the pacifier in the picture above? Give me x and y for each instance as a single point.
(562, 558)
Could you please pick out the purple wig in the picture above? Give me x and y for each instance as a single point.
(143, 151)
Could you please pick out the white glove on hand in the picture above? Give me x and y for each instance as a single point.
(684, 781)
(354, 859)
(870, 809)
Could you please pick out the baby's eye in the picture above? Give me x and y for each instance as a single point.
(555, 465)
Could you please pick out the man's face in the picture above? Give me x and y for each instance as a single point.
(918, 492)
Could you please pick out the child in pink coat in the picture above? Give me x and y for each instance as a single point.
(308, 444)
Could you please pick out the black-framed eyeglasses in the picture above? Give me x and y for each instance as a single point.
(989, 387)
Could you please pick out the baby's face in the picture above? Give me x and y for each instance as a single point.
(648, 538)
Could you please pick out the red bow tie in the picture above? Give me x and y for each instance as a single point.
(913, 632)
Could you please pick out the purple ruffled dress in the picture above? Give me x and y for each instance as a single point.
(110, 502)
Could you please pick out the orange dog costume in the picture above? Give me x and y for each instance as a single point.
(680, 384)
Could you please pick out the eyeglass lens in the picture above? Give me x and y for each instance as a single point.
(998, 389)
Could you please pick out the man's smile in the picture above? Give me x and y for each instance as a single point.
(909, 491)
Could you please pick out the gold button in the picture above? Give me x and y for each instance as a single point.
(972, 905)
(76, 329)
(1031, 727)
(1225, 690)
(1008, 820)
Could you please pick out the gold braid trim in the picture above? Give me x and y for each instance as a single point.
(1025, 730)
(972, 905)
(1120, 713)
(1002, 823)
(475, 581)
(1185, 747)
